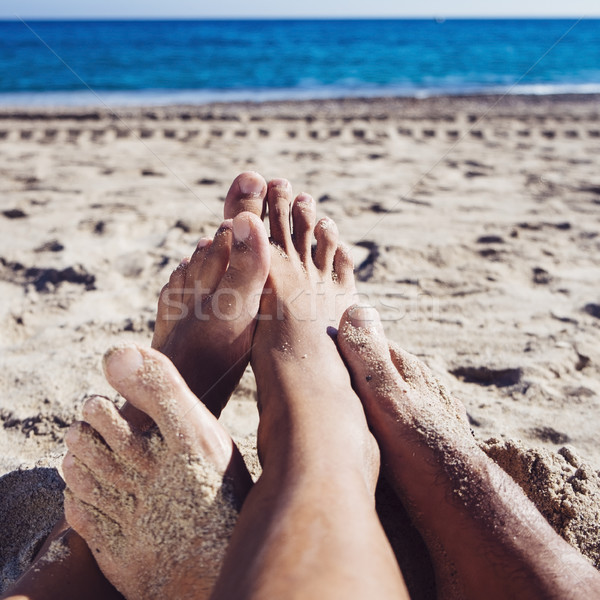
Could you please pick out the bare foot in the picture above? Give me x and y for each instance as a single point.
(308, 528)
(486, 539)
(156, 508)
(305, 295)
(207, 310)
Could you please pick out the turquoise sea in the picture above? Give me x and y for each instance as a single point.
(134, 62)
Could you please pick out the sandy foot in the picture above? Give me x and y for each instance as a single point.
(156, 508)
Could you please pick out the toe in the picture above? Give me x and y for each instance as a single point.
(238, 295)
(364, 347)
(90, 523)
(79, 516)
(410, 368)
(343, 265)
(208, 264)
(102, 415)
(246, 194)
(152, 384)
(84, 485)
(170, 306)
(279, 196)
(421, 379)
(88, 447)
(303, 220)
(326, 233)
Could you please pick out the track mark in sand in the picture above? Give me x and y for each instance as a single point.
(73, 135)
(591, 189)
(51, 246)
(490, 239)
(151, 173)
(364, 271)
(549, 434)
(14, 213)
(541, 276)
(561, 226)
(487, 376)
(592, 309)
(38, 425)
(46, 279)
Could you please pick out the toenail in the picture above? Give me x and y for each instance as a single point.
(304, 198)
(92, 405)
(363, 317)
(123, 362)
(251, 184)
(241, 230)
(281, 184)
(203, 242)
(225, 226)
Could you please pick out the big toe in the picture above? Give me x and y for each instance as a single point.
(151, 383)
(249, 262)
(364, 347)
(246, 194)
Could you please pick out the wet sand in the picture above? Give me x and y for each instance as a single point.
(475, 226)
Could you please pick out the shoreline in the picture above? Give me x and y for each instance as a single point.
(545, 104)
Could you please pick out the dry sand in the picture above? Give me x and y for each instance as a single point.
(476, 233)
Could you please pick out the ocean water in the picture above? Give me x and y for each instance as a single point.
(157, 62)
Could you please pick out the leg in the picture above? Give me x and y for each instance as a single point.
(486, 538)
(63, 570)
(308, 528)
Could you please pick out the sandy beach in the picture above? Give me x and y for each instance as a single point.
(475, 228)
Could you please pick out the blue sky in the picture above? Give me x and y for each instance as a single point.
(260, 8)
